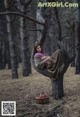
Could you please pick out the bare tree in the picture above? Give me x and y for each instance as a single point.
(77, 31)
(24, 41)
(11, 44)
(57, 85)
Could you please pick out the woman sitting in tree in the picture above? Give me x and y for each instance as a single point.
(57, 62)
(39, 56)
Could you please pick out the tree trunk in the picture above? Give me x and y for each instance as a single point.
(77, 30)
(73, 50)
(24, 46)
(78, 50)
(3, 54)
(8, 60)
(57, 87)
(1, 62)
(11, 45)
(2, 44)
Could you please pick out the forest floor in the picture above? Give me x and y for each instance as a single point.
(24, 89)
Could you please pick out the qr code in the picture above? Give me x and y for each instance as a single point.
(8, 108)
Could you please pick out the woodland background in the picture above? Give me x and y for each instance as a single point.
(18, 34)
(17, 37)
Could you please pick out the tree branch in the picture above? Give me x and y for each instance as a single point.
(59, 25)
(43, 36)
(22, 15)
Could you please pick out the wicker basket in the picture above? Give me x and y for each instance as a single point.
(42, 99)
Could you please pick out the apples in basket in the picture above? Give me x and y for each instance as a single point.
(42, 99)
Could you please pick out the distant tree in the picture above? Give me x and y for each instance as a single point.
(72, 41)
(77, 15)
(11, 43)
(24, 37)
(2, 38)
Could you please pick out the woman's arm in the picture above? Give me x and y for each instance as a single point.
(46, 59)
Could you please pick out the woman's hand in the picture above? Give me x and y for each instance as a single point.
(45, 57)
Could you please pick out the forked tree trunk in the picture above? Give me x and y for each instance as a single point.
(57, 85)
(11, 45)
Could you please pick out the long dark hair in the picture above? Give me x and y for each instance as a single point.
(35, 47)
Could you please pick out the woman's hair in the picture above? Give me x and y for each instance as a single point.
(35, 47)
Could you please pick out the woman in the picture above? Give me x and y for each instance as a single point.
(58, 61)
(40, 58)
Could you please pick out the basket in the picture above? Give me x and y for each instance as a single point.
(42, 99)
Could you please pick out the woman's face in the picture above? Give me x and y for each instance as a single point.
(38, 48)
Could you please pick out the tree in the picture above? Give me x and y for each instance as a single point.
(11, 44)
(57, 82)
(57, 85)
(24, 42)
(77, 40)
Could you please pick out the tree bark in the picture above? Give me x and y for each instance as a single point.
(24, 46)
(1, 63)
(57, 87)
(77, 30)
(11, 45)
(8, 60)
(78, 50)
(73, 50)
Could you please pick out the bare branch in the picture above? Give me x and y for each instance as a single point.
(22, 15)
(65, 36)
(59, 24)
